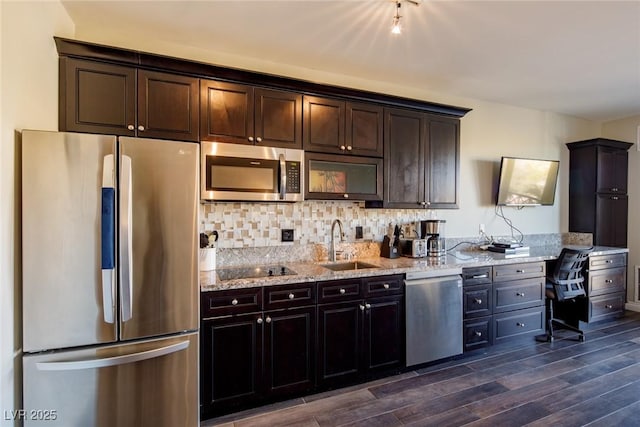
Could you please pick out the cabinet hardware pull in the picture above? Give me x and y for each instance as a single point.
(346, 196)
(609, 261)
(609, 306)
(141, 128)
(367, 306)
(477, 301)
(423, 203)
(349, 148)
(234, 302)
(608, 281)
(520, 271)
(520, 294)
(520, 324)
(131, 127)
(386, 286)
(478, 333)
(250, 139)
(342, 147)
(268, 319)
(361, 307)
(258, 139)
(259, 320)
(342, 291)
(614, 197)
(291, 296)
(480, 276)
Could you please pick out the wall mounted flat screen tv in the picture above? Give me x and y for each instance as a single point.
(527, 182)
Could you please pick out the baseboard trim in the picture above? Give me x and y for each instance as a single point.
(633, 306)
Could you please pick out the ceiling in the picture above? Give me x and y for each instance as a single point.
(580, 58)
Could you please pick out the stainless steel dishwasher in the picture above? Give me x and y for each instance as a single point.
(433, 317)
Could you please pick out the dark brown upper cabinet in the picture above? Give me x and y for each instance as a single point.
(598, 203)
(103, 98)
(243, 114)
(421, 160)
(341, 127)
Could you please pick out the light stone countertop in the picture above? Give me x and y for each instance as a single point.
(444, 266)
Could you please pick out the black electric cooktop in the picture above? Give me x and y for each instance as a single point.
(254, 272)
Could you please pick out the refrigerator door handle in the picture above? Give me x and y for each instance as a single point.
(106, 362)
(108, 239)
(126, 239)
(283, 177)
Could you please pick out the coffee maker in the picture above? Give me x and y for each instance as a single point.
(433, 231)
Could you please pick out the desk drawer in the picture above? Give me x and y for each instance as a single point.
(606, 281)
(606, 306)
(518, 323)
(518, 294)
(507, 272)
(599, 262)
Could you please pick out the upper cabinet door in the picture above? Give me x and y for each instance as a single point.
(278, 118)
(404, 159)
(364, 129)
(226, 112)
(324, 125)
(167, 106)
(443, 166)
(612, 170)
(97, 97)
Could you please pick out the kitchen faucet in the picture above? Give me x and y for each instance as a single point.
(332, 249)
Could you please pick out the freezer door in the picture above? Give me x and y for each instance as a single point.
(67, 238)
(158, 237)
(150, 383)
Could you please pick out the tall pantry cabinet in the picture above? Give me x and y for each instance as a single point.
(598, 201)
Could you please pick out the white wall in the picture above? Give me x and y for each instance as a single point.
(628, 130)
(29, 100)
(28, 83)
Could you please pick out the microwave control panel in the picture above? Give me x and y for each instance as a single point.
(293, 177)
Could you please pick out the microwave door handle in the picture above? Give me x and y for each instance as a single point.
(108, 239)
(126, 239)
(283, 177)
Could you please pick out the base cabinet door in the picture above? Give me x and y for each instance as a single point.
(233, 345)
(383, 333)
(289, 350)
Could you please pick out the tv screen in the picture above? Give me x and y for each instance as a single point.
(527, 182)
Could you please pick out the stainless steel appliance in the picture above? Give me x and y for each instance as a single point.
(433, 231)
(110, 280)
(413, 248)
(433, 317)
(251, 172)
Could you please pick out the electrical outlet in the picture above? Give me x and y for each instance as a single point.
(358, 232)
(286, 235)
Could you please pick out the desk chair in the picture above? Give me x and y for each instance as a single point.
(564, 285)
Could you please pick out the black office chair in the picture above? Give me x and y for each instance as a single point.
(565, 287)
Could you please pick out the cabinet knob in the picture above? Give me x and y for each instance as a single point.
(608, 281)
(423, 203)
(346, 196)
(258, 139)
(234, 302)
(367, 306)
(608, 306)
(361, 307)
(614, 197)
(520, 324)
(520, 294)
(609, 261)
(342, 291)
(250, 139)
(349, 148)
(268, 319)
(520, 271)
(291, 296)
(477, 301)
(131, 127)
(342, 147)
(141, 128)
(478, 333)
(259, 320)
(386, 286)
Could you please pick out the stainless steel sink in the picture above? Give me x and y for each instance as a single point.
(351, 265)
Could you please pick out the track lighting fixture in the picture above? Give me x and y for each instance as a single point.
(396, 28)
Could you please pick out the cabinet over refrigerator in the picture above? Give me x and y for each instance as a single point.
(110, 280)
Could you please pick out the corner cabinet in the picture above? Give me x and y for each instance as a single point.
(243, 114)
(96, 97)
(421, 160)
(598, 201)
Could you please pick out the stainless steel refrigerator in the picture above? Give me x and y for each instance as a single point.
(110, 281)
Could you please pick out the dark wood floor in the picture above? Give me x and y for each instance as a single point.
(564, 383)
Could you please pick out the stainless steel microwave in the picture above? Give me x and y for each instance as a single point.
(251, 173)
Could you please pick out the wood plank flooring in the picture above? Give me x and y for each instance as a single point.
(564, 383)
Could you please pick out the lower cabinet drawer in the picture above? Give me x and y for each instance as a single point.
(518, 294)
(477, 333)
(606, 306)
(518, 323)
(477, 301)
(232, 301)
(607, 281)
